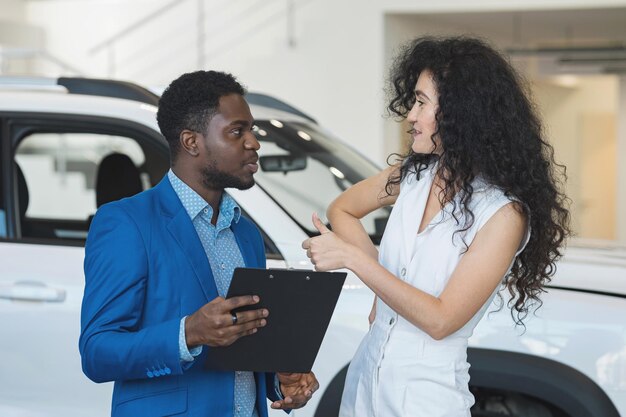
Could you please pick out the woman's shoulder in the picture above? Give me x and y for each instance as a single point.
(485, 192)
(487, 199)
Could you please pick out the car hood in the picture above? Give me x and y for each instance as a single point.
(594, 266)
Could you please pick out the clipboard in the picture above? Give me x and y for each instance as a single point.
(300, 304)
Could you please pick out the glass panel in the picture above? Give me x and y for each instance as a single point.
(304, 169)
(60, 171)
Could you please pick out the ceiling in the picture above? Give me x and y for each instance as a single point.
(590, 41)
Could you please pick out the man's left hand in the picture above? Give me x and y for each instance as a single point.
(297, 389)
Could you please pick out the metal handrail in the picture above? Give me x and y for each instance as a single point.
(135, 26)
(110, 45)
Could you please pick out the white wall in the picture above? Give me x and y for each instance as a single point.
(15, 32)
(12, 10)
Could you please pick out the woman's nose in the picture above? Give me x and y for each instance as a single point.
(412, 115)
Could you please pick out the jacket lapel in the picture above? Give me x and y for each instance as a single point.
(244, 245)
(187, 238)
(181, 228)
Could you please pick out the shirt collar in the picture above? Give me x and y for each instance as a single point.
(194, 205)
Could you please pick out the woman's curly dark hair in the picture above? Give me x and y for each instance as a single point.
(487, 126)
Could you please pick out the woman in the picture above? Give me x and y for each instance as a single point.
(476, 204)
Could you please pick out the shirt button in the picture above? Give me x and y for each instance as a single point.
(403, 272)
(391, 321)
(223, 266)
(206, 211)
(238, 408)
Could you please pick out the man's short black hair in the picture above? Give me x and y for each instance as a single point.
(190, 102)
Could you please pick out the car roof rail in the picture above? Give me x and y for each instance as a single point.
(264, 100)
(76, 85)
(109, 88)
(127, 90)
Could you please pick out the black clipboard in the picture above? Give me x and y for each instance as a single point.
(300, 302)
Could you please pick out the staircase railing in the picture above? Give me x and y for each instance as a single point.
(204, 43)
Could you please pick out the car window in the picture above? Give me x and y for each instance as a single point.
(304, 169)
(63, 178)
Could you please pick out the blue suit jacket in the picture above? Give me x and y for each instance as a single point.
(145, 269)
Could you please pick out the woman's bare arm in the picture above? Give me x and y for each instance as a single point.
(472, 282)
(347, 210)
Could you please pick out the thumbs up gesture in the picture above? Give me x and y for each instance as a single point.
(327, 251)
(319, 225)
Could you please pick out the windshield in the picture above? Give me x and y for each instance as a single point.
(304, 169)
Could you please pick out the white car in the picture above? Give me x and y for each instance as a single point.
(56, 136)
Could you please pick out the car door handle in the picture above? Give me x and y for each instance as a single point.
(31, 291)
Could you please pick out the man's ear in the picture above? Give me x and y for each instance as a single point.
(189, 142)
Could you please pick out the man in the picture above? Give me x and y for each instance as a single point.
(158, 265)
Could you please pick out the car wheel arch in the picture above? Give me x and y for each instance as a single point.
(551, 381)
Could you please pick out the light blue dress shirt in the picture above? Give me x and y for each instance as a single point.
(224, 256)
(3, 224)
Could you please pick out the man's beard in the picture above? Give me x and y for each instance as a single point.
(216, 179)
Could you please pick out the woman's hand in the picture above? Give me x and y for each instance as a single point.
(328, 251)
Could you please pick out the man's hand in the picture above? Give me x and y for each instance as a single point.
(297, 390)
(214, 325)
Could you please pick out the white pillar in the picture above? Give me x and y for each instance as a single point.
(621, 161)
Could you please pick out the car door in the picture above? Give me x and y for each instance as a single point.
(51, 166)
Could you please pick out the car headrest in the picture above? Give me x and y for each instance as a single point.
(22, 191)
(117, 177)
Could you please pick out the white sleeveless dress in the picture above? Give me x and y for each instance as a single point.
(399, 370)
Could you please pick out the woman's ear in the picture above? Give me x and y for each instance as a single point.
(189, 142)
